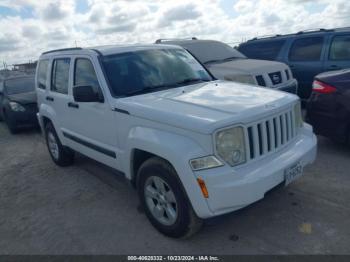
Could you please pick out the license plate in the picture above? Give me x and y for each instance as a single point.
(292, 173)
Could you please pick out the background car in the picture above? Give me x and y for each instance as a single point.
(18, 105)
(226, 63)
(307, 53)
(328, 109)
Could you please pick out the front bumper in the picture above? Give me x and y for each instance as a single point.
(291, 87)
(233, 188)
(23, 119)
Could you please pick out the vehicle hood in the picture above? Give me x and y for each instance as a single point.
(24, 98)
(245, 66)
(206, 107)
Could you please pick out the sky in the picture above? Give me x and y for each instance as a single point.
(30, 27)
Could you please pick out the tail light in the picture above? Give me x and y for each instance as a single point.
(323, 88)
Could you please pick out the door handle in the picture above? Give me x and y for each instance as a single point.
(334, 67)
(73, 105)
(49, 98)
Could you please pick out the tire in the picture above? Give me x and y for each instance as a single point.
(167, 206)
(10, 124)
(61, 155)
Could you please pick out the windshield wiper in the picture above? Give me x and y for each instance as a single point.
(223, 60)
(230, 58)
(148, 89)
(212, 61)
(190, 81)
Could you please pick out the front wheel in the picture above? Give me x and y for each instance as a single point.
(164, 200)
(60, 154)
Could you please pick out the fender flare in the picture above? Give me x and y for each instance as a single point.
(177, 150)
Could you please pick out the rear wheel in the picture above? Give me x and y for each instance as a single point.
(164, 200)
(60, 154)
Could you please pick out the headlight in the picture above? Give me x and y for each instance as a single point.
(17, 107)
(230, 145)
(205, 163)
(297, 115)
(247, 79)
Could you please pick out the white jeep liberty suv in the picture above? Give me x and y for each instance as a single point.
(194, 147)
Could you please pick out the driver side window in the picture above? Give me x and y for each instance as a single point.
(85, 75)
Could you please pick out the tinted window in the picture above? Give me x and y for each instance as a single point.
(42, 73)
(306, 49)
(132, 72)
(60, 75)
(85, 75)
(268, 50)
(340, 48)
(212, 51)
(19, 85)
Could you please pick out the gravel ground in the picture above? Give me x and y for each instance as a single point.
(89, 209)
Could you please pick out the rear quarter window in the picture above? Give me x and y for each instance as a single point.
(267, 50)
(42, 74)
(340, 48)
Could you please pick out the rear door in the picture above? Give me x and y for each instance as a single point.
(305, 59)
(41, 81)
(338, 52)
(57, 97)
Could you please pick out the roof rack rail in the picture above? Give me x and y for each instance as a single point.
(298, 33)
(63, 49)
(314, 30)
(158, 41)
(264, 36)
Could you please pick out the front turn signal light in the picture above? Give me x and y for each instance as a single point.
(203, 187)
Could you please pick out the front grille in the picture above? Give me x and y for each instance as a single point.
(260, 80)
(270, 134)
(287, 74)
(33, 107)
(276, 78)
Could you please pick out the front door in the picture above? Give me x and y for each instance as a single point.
(91, 128)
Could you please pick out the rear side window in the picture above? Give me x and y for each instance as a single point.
(268, 50)
(340, 48)
(42, 73)
(306, 49)
(60, 75)
(84, 74)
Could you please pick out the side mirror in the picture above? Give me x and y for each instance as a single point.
(86, 94)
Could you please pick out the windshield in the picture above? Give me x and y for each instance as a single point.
(19, 85)
(212, 51)
(151, 70)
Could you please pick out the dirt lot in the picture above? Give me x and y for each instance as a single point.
(88, 209)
